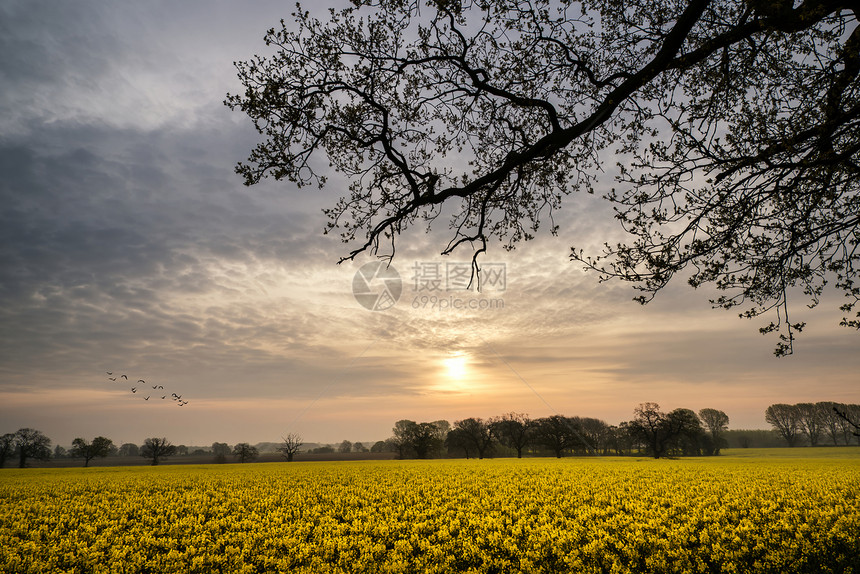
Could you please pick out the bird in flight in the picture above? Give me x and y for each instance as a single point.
(137, 386)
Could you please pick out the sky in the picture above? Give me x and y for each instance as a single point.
(128, 245)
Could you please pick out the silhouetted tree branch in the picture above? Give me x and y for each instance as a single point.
(735, 125)
(843, 414)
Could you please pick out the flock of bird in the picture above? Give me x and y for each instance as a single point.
(143, 387)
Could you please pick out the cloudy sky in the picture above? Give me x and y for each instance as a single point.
(128, 245)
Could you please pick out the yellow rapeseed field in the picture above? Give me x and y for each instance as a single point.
(613, 515)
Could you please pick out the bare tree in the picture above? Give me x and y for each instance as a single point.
(737, 168)
(785, 420)
(810, 421)
(290, 446)
(100, 447)
(157, 448)
(829, 421)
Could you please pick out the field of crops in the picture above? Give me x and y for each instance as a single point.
(725, 514)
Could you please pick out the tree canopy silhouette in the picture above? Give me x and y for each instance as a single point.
(157, 448)
(734, 126)
(100, 447)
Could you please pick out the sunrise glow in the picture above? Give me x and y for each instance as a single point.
(456, 367)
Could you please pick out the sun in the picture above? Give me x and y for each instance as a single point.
(456, 366)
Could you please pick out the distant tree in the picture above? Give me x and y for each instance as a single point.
(345, 447)
(157, 448)
(30, 443)
(627, 438)
(458, 443)
(100, 447)
(717, 422)
(359, 447)
(383, 446)
(689, 436)
(182, 450)
(829, 421)
(420, 439)
(290, 446)
(400, 437)
(220, 450)
(514, 430)
(477, 431)
(649, 425)
(129, 449)
(7, 447)
(594, 434)
(810, 421)
(557, 433)
(60, 452)
(753, 438)
(324, 449)
(785, 419)
(659, 431)
(614, 443)
(245, 452)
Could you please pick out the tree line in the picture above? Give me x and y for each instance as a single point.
(30, 444)
(820, 423)
(652, 432)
